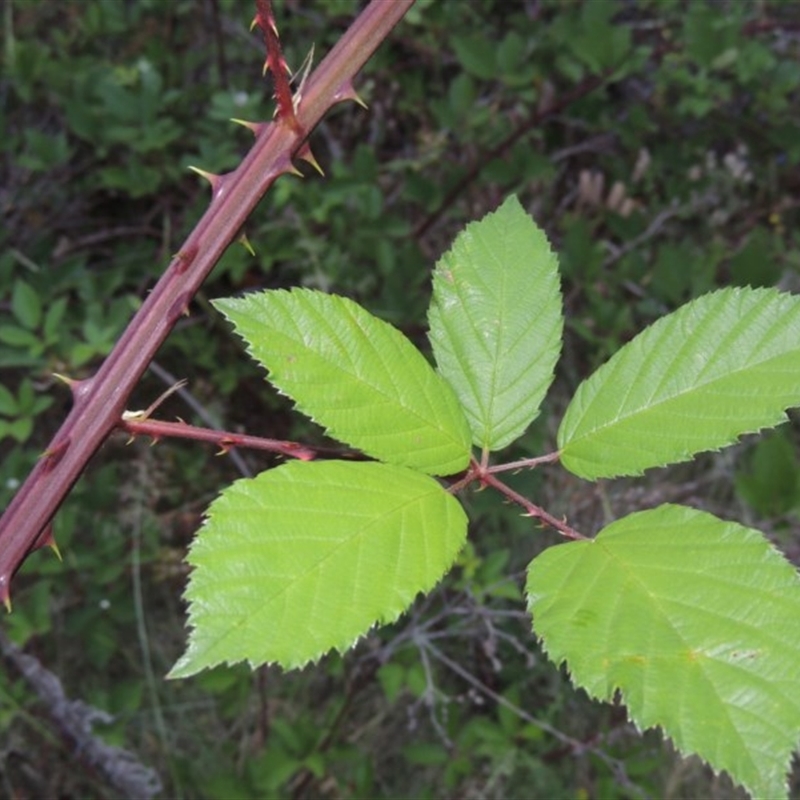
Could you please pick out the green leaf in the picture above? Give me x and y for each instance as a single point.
(696, 621)
(308, 556)
(54, 317)
(721, 366)
(496, 322)
(356, 375)
(771, 485)
(18, 337)
(8, 403)
(26, 305)
(477, 54)
(391, 677)
(20, 429)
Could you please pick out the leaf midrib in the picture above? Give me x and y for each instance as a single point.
(431, 420)
(264, 606)
(695, 387)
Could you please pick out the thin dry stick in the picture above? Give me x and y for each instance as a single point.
(534, 121)
(74, 720)
(202, 412)
(575, 746)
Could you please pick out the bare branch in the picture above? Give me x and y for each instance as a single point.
(74, 720)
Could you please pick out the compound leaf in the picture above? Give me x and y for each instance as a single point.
(356, 375)
(308, 556)
(721, 366)
(496, 322)
(695, 621)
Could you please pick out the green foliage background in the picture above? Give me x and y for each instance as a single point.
(674, 174)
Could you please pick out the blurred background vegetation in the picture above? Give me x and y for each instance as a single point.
(655, 140)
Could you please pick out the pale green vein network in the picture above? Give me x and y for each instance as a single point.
(696, 621)
(356, 375)
(721, 366)
(496, 322)
(309, 556)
